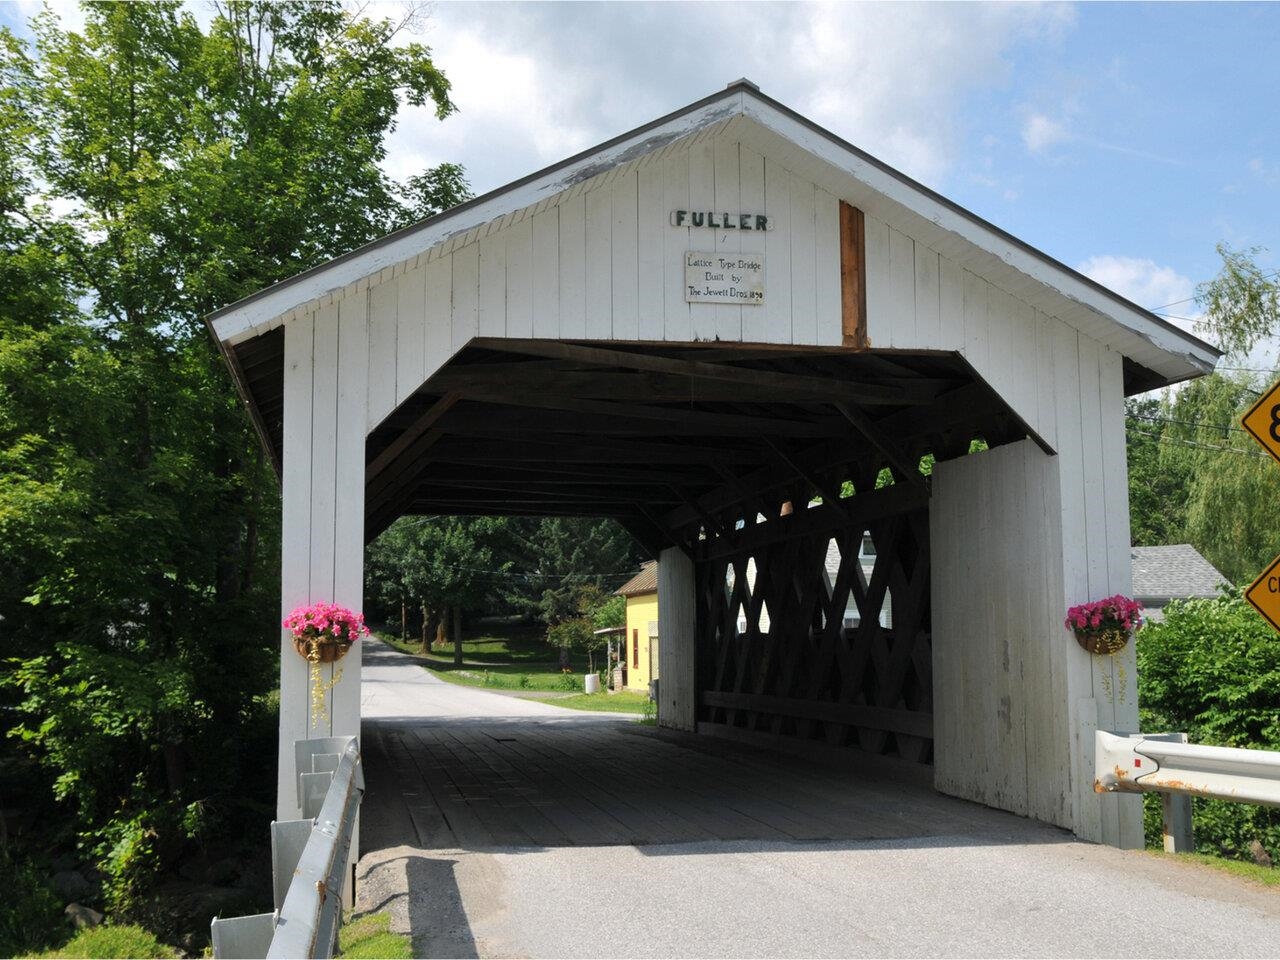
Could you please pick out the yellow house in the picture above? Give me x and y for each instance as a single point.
(640, 643)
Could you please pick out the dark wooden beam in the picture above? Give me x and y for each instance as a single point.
(476, 448)
(713, 423)
(782, 382)
(518, 380)
(888, 448)
(401, 445)
(862, 508)
(819, 457)
(520, 423)
(853, 277)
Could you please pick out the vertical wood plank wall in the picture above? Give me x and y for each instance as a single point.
(1069, 389)
(677, 613)
(322, 512)
(1001, 733)
(602, 261)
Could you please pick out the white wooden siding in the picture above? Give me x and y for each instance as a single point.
(677, 693)
(322, 511)
(601, 261)
(995, 528)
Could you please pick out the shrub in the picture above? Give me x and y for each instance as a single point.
(30, 912)
(110, 941)
(1211, 669)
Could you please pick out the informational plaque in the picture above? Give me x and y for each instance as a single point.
(736, 278)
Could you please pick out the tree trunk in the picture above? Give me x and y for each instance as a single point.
(404, 622)
(457, 636)
(426, 629)
(564, 658)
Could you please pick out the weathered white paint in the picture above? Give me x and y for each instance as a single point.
(1018, 537)
(598, 259)
(995, 533)
(742, 116)
(322, 513)
(677, 692)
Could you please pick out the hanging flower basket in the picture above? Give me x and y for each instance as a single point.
(323, 633)
(1104, 626)
(321, 649)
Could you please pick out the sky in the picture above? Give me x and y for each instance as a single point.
(1126, 140)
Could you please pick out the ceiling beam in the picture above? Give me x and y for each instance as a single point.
(850, 392)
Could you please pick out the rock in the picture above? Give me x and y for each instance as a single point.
(64, 862)
(1259, 854)
(71, 886)
(82, 917)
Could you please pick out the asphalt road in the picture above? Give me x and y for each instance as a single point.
(901, 871)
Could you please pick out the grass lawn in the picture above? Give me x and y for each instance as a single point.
(110, 941)
(508, 656)
(1267, 876)
(370, 936)
(624, 701)
(515, 656)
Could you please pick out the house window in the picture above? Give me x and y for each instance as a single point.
(635, 647)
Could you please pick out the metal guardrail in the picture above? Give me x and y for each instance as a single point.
(308, 861)
(1165, 763)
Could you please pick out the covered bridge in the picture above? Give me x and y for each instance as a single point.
(739, 335)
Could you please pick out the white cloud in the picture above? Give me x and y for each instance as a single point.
(1040, 132)
(1267, 172)
(536, 82)
(1146, 283)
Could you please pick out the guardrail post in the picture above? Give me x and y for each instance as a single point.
(1176, 810)
(310, 861)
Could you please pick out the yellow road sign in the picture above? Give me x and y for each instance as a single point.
(1264, 594)
(1263, 422)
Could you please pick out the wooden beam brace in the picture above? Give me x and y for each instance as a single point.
(813, 481)
(782, 382)
(401, 445)
(853, 277)
(820, 456)
(860, 509)
(519, 423)
(897, 459)
(687, 418)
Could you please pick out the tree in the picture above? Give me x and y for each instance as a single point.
(445, 565)
(189, 168)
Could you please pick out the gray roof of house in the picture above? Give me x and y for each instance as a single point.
(1172, 572)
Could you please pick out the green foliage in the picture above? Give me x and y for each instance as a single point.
(623, 701)
(30, 912)
(1211, 670)
(1242, 303)
(112, 942)
(151, 171)
(573, 634)
(442, 562)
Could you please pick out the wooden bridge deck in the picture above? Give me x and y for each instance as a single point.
(475, 783)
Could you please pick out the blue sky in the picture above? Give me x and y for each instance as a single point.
(1124, 139)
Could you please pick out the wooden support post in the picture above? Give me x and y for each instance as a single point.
(853, 277)
(677, 654)
(322, 517)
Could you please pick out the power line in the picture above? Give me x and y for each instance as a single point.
(1269, 276)
(1161, 438)
(1186, 423)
